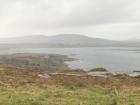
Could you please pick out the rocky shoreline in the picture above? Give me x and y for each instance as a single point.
(14, 76)
(54, 64)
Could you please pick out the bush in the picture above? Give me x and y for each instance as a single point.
(98, 70)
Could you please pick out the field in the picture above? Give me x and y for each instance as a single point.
(59, 95)
(24, 87)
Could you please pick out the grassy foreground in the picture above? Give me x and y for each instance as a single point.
(59, 95)
(26, 88)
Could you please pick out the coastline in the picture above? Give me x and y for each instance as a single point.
(66, 87)
(50, 63)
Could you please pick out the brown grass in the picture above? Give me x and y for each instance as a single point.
(13, 77)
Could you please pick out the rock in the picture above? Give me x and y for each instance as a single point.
(100, 74)
(134, 74)
(44, 76)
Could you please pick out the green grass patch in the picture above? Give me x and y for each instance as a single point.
(59, 95)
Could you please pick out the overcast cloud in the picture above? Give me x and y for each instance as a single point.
(113, 19)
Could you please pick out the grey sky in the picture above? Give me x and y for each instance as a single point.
(113, 19)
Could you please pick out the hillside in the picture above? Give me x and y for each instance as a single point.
(57, 39)
(63, 40)
(76, 39)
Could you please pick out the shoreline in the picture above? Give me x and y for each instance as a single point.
(50, 63)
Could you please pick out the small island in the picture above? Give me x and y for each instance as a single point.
(98, 70)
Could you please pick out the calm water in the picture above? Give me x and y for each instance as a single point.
(114, 59)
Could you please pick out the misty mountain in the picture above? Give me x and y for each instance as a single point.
(75, 39)
(57, 39)
(63, 40)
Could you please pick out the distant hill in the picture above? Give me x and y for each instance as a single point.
(76, 39)
(68, 39)
(63, 40)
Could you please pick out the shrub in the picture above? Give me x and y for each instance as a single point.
(98, 70)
